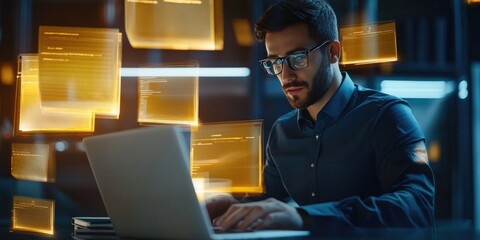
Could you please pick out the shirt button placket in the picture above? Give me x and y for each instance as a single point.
(312, 165)
(317, 138)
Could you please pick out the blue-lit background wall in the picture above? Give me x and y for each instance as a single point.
(436, 40)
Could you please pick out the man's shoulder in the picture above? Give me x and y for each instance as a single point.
(375, 98)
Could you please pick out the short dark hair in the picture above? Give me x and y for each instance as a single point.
(317, 14)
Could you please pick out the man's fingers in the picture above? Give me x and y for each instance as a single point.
(251, 219)
(280, 220)
(242, 217)
(254, 225)
(218, 204)
(271, 221)
(232, 217)
(267, 214)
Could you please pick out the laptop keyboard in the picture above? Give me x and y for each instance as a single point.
(219, 230)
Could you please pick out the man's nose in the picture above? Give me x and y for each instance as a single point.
(287, 74)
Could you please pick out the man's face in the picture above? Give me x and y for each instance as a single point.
(306, 86)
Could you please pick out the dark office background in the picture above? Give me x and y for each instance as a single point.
(436, 39)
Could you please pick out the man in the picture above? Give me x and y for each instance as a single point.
(348, 156)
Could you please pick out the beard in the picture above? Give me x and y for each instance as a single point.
(320, 84)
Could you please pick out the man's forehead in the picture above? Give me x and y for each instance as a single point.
(288, 39)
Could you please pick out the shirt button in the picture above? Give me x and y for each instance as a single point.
(313, 194)
(316, 137)
(312, 165)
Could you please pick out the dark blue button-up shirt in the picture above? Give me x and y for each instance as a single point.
(362, 163)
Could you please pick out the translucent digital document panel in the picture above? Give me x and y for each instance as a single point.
(243, 32)
(369, 43)
(33, 161)
(33, 215)
(172, 100)
(175, 24)
(230, 154)
(79, 69)
(31, 117)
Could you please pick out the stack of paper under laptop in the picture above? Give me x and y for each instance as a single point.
(93, 228)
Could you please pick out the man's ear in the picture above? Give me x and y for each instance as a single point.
(335, 52)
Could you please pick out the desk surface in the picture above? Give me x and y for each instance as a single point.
(64, 231)
(72, 201)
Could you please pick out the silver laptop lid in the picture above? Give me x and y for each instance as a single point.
(145, 183)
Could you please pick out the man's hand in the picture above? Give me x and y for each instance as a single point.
(217, 205)
(267, 214)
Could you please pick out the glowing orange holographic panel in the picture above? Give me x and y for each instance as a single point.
(33, 215)
(172, 100)
(33, 162)
(243, 32)
(369, 43)
(206, 187)
(79, 69)
(31, 117)
(7, 75)
(230, 152)
(165, 25)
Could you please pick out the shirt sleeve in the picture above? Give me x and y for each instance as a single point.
(273, 182)
(404, 173)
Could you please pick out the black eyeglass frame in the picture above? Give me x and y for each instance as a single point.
(285, 59)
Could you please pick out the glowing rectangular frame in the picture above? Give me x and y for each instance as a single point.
(243, 32)
(33, 215)
(33, 162)
(232, 151)
(164, 25)
(418, 89)
(79, 69)
(369, 43)
(171, 100)
(29, 114)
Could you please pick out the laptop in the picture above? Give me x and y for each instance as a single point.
(145, 184)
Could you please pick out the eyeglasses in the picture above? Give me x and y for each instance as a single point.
(295, 61)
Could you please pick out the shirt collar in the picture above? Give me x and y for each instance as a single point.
(335, 105)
